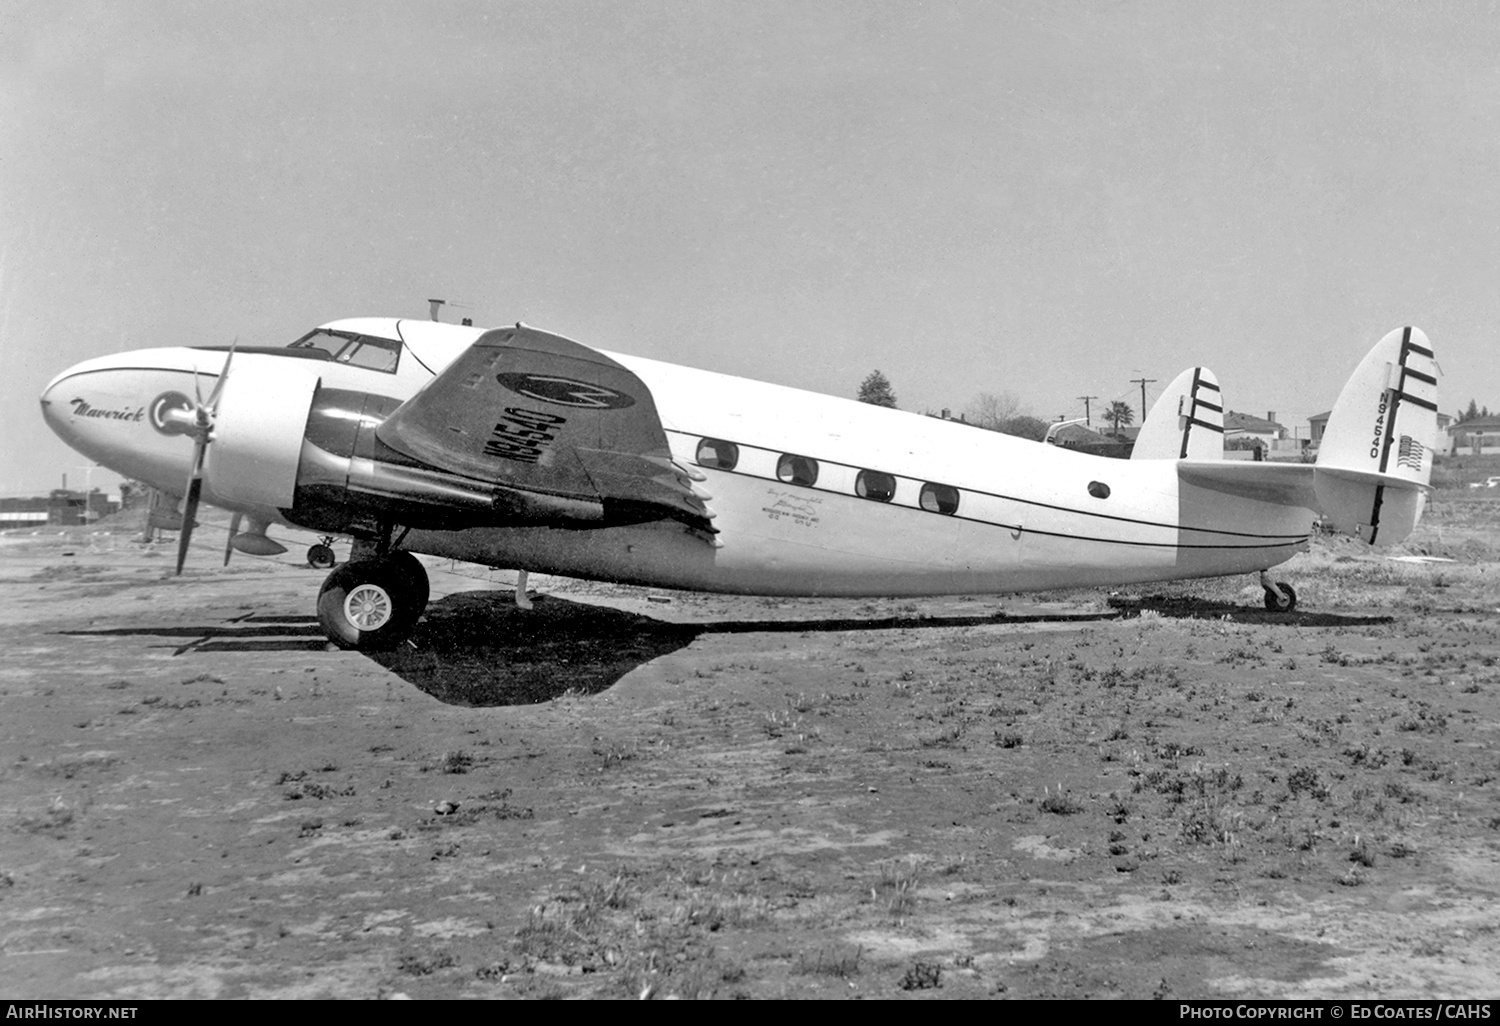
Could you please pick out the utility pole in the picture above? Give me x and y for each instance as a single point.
(1086, 421)
(1143, 382)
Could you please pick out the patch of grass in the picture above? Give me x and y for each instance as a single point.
(1305, 778)
(455, 762)
(898, 884)
(841, 966)
(922, 976)
(1060, 803)
(313, 789)
(614, 753)
(425, 964)
(1210, 822)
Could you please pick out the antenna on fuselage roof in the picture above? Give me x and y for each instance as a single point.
(435, 303)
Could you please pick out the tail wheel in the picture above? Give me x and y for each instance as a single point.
(1282, 598)
(369, 605)
(321, 556)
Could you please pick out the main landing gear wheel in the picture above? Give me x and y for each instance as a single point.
(372, 604)
(1282, 598)
(321, 556)
(415, 574)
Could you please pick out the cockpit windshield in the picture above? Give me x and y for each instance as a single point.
(381, 354)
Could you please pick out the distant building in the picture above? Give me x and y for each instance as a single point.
(1316, 425)
(1480, 436)
(23, 513)
(59, 508)
(1248, 426)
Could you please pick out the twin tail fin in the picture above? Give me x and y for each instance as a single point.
(1375, 461)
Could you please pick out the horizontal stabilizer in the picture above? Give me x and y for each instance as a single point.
(1286, 484)
(1186, 422)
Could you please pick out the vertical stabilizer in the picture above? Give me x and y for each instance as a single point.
(1375, 459)
(1186, 421)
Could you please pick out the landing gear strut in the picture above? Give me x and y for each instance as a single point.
(1280, 596)
(372, 604)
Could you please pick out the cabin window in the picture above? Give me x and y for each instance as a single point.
(797, 470)
(940, 498)
(1098, 489)
(871, 484)
(718, 454)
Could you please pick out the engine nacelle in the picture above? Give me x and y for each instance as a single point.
(259, 425)
(346, 476)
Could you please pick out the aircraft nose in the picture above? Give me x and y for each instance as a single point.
(112, 408)
(56, 409)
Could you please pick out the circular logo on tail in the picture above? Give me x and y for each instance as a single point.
(549, 388)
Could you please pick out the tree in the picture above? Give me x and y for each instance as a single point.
(1119, 413)
(989, 410)
(1471, 413)
(1024, 425)
(876, 390)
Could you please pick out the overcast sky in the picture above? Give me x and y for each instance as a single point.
(1045, 199)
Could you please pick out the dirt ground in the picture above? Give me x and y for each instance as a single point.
(622, 793)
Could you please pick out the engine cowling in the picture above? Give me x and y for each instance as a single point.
(259, 425)
(346, 478)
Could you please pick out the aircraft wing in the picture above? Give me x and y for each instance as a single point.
(1289, 484)
(540, 414)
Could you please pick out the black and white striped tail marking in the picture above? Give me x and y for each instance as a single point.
(1209, 401)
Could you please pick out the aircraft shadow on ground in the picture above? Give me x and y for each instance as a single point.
(1187, 608)
(242, 634)
(478, 649)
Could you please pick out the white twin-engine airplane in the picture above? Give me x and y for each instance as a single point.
(516, 448)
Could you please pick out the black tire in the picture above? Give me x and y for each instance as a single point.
(369, 605)
(321, 557)
(411, 568)
(1281, 600)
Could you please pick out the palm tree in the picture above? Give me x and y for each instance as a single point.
(1119, 413)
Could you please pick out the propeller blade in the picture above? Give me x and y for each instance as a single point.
(203, 415)
(189, 511)
(234, 529)
(190, 500)
(218, 389)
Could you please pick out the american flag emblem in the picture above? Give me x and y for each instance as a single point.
(1409, 453)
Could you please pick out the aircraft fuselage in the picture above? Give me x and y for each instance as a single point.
(811, 494)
